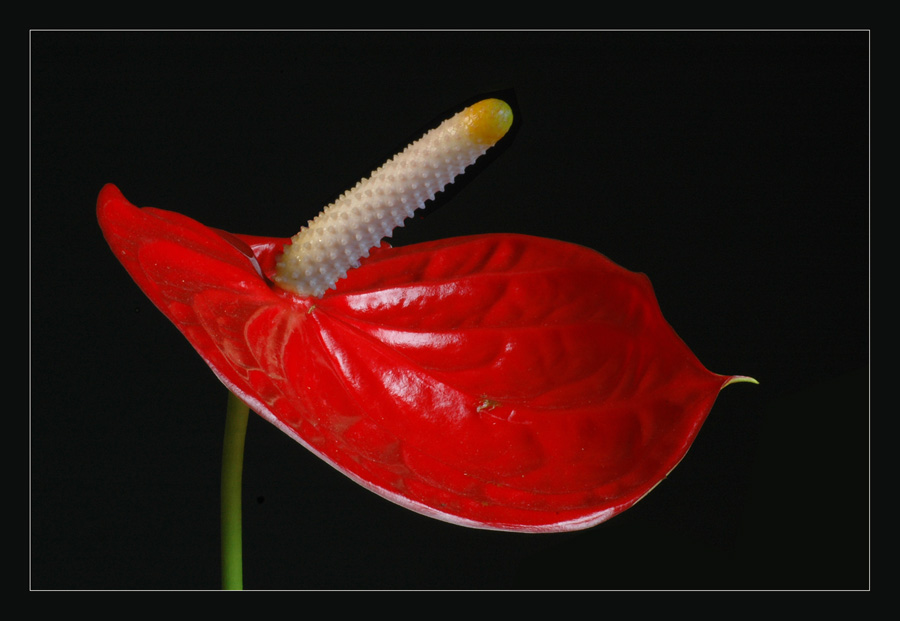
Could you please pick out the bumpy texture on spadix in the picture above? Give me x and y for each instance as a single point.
(345, 232)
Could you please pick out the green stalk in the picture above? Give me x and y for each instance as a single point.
(236, 417)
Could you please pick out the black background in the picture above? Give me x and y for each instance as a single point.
(731, 167)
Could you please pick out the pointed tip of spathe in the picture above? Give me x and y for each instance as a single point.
(737, 379)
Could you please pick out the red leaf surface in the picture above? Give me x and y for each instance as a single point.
(496, 381)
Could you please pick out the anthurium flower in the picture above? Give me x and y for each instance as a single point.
(495, 381)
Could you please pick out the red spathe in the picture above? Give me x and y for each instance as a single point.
(496, 381)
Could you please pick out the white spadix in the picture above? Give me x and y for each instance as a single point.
(345, 231)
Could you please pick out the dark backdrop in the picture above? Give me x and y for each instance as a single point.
(731, 167)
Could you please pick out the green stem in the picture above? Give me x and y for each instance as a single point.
(236, 417)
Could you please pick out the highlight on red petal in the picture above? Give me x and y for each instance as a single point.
(497, 381)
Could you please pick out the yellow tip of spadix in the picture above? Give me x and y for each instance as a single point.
(488, 120)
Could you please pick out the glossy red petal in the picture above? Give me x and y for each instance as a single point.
(496, 381)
